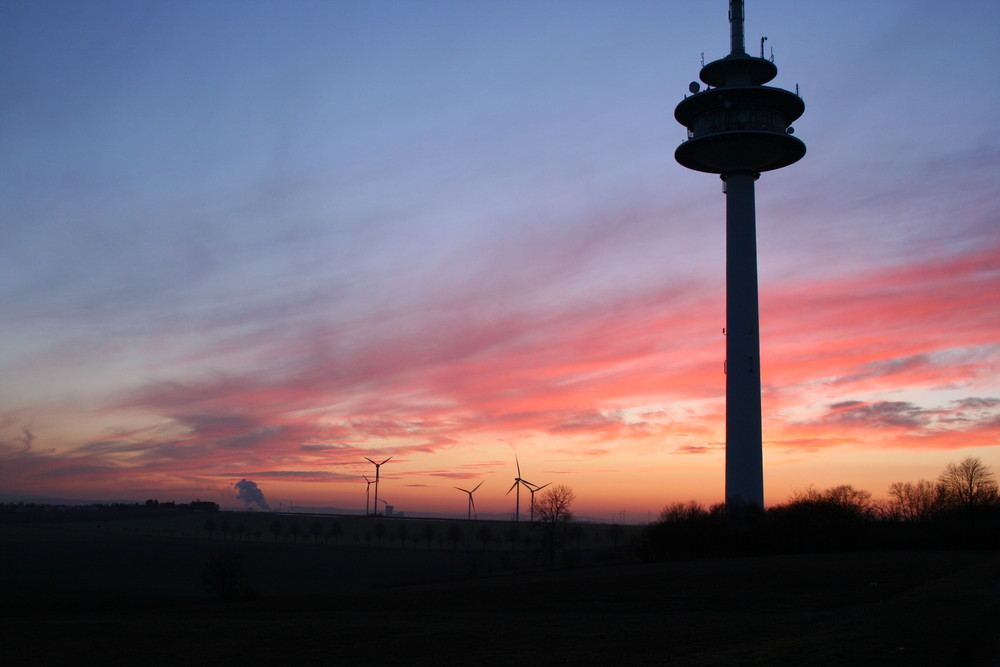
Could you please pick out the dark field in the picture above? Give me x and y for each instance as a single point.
(127, 593)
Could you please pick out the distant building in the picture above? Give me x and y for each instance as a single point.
(204, 506)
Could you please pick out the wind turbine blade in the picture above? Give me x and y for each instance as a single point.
(512, 487)
(372, 462)
(472, 502)
(518, 465)
(461, 489)
(477, 486)
(527, 483)
(386, 461)
(543, 486)
(366, 479)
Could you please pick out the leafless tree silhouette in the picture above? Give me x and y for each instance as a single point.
(615, 533)
(454, 534)
(513, 535)
(225, 576)
(553, 507)
(554, 513)
(484, 535)
(910, 501)
(969, 483)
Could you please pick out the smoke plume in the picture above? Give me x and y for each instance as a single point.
(248, 492)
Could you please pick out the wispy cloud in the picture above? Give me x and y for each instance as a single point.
(597, 372)
(515, 261)
(892, 414)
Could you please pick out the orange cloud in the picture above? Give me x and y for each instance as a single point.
(642, 374)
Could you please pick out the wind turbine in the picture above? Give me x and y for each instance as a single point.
(367, 492)
(537, 488)
(377, 466)
(517, 485)
(472, 503)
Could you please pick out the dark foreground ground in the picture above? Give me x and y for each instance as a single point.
(888, 608)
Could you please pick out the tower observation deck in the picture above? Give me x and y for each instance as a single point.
(739, 124)
(737, 128)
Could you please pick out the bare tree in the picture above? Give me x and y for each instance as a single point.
(454, 534)
(615, 533)
(553, 507)
(401, 533)
(846, 496)
(680, 511)
(428, 533)
(969, 483)
(226, 577)
(913, 502)
(484, 535)
(553, 512)
(512, 534)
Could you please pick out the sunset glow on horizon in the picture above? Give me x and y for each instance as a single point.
(262, 242)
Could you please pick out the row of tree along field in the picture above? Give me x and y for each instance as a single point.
(552, 526)
(961, 509)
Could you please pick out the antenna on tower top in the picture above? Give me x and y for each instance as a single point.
(736, 27)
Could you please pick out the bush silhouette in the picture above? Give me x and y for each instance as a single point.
(960, 511)
(225, 577)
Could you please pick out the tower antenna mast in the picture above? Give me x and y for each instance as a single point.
(738, 128)
(736, 41)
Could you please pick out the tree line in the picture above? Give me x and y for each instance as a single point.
(960, 509)
(120, 507)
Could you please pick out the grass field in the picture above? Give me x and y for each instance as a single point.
(78, 593)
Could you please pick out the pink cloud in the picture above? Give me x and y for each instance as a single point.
(454, 376)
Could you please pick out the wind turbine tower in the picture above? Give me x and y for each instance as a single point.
(518, 483)
(533, 492)
(472, 503)
(377, 467)
(368, 490)
(738, 128)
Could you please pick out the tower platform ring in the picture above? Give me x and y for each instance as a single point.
(740, 150)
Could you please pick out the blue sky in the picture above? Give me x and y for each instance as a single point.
(273, 238)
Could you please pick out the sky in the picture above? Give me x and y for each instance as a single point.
(265, 240)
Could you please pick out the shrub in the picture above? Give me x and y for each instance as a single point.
(225, 577)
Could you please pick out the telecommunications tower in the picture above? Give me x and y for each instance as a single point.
(737, 128)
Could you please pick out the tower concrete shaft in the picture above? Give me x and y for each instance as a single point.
(737, 128)
(744, 443)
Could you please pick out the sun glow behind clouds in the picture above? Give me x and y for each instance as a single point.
(462, 237)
